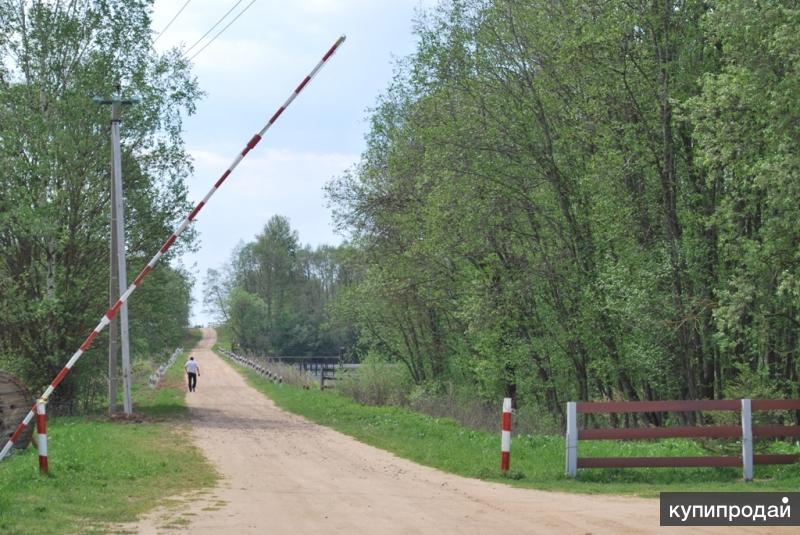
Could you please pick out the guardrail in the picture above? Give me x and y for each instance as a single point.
(155, 378)
(321, 368)
(255, 366)
(746, 432)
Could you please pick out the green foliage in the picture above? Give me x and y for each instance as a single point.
(746, 129)
(104, 472)
(537, 460)
(275, 295)
(159, 314)
(376, 382)
(248, 315)
(54, 205)
(584, 200)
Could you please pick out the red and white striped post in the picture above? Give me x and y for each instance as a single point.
(41, 432)
(112, 312)
(505, 436)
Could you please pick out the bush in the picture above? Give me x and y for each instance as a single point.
(460, 403)
(377, 382)
(292, 375)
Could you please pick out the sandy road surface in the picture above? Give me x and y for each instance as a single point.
(284, 474)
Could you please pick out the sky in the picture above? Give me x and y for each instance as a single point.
(247, 73)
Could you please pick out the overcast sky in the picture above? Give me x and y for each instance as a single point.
(247, 73)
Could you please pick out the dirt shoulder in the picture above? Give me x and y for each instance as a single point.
(284, 474)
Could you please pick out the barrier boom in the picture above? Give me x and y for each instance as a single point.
(112, 311)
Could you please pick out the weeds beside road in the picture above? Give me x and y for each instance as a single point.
(104, 471)
(537, 461)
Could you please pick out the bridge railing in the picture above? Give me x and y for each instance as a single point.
(156, 376)
(260, 368)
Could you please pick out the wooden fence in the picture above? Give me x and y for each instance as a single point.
(325, 368)
(746, 432)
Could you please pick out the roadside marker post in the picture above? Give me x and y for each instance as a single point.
(41, 433)
(112, 311)
(505, 436)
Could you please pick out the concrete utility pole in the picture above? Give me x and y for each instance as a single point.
(118, 282)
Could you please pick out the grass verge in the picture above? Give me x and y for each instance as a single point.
(536, 461)
(104, 471)
(167, 400)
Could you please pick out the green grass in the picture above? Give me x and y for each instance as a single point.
(104, 471)
(167, 399)
(224, 336)
(536, 461)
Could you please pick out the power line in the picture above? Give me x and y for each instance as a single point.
(212, 28)
(170, 22)
(223, 29)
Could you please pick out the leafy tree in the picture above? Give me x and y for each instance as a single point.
(583, 200)
(746, 132)
(277, 294)
(54, 154)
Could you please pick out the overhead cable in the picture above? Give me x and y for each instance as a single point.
(170, 22)
(214, 26)
(223, 30)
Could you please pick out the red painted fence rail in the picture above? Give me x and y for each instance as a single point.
(746, 432)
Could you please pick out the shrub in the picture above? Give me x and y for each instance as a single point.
(376, 382)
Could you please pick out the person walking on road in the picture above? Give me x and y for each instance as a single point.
(193, 372)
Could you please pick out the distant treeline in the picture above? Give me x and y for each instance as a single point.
(275, 295)
(583, 200)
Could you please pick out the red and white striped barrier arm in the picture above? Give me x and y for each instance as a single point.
(505, 436)
(41, 434)
(112, 312)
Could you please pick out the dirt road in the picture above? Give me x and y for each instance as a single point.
(283, 474)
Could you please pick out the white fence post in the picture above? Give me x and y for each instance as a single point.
(747, 440)
(572, 439)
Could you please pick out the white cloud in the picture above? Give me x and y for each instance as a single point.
(323, 7)
(274, 173)
(267, 183)
(247, 73)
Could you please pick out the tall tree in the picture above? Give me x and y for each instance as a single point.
(553, 205)
(277, 294)
(747, 136)
(54, 155)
